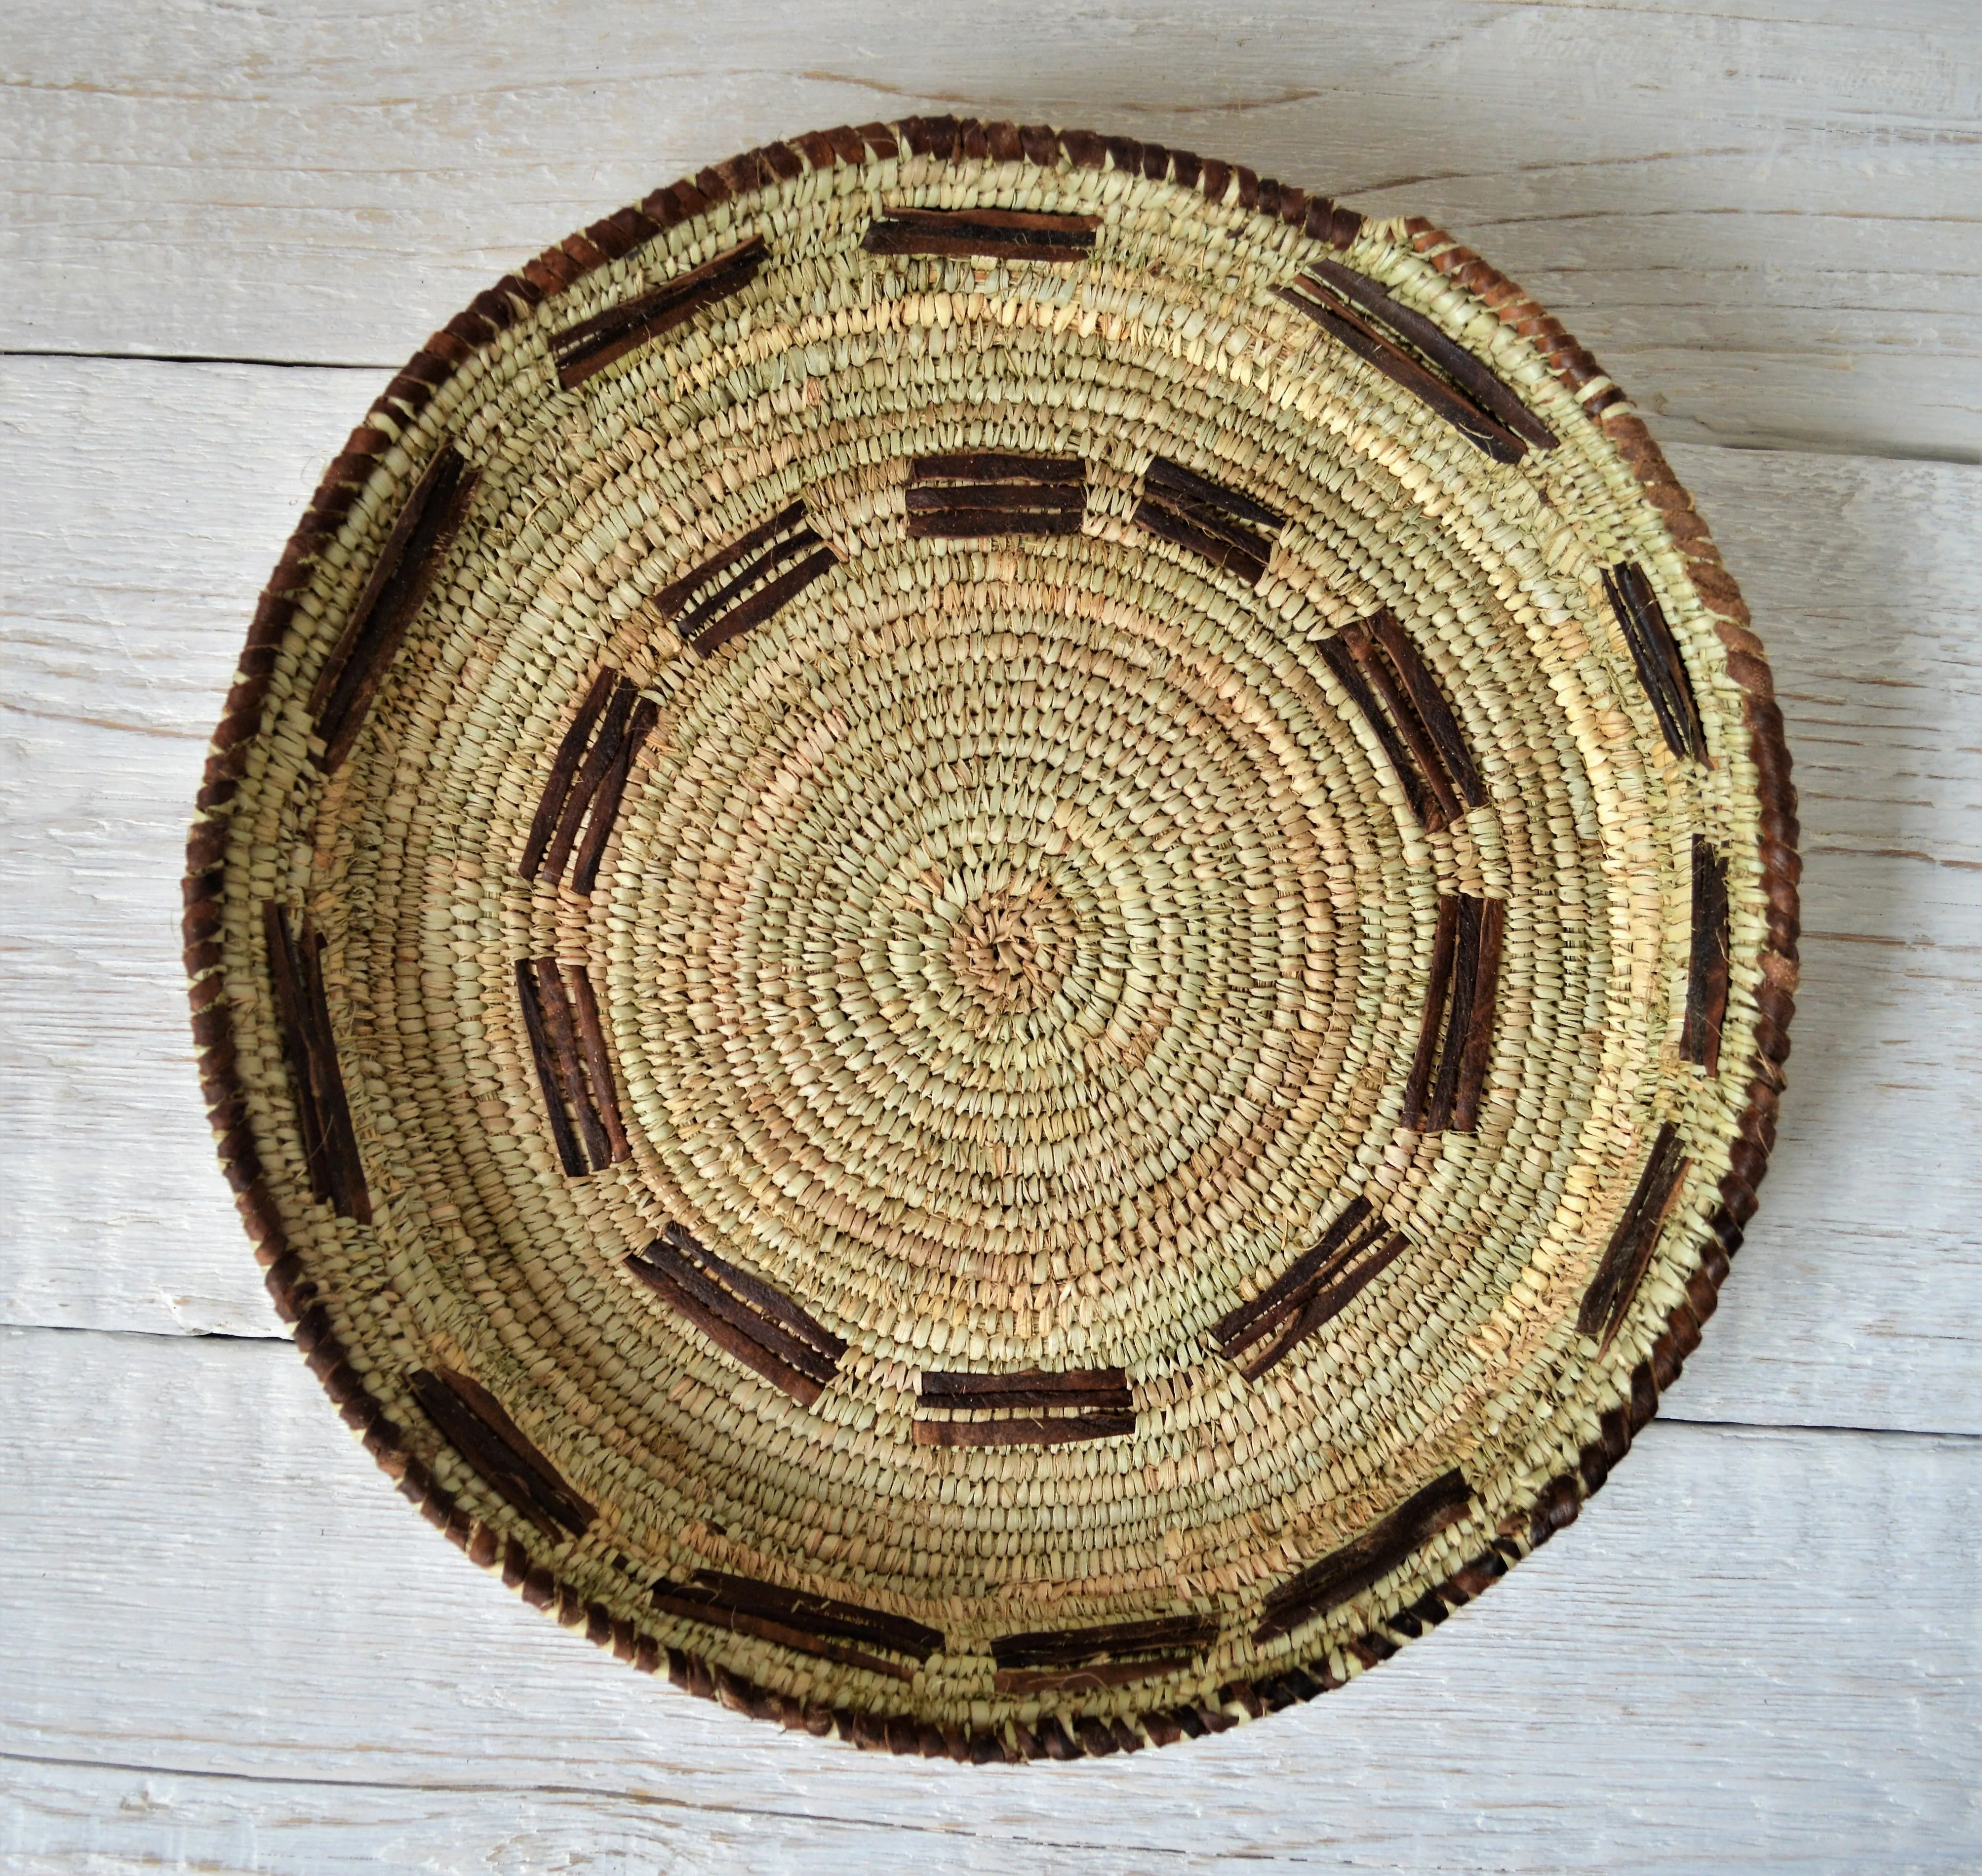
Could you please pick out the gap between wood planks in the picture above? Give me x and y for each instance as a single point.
(818, 1827)
(962, 1836)
(1671, 1406)
(1876, 452)
(478, 1788)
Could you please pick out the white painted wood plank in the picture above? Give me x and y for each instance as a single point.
(1763, 220)
(1858, 1299)
(1757, 1650)
(126, 580)
(144, 506)
(95, 1821)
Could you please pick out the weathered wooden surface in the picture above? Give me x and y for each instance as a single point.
(1762, 219)
(1755, 1648)
(225, 1643)
(124, 585)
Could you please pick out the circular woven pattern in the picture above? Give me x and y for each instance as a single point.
(993, 935)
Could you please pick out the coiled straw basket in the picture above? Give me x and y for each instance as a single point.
(993, 934)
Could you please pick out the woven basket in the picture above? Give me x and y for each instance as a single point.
(993, 935)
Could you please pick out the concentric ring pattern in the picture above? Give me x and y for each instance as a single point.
(993, 935)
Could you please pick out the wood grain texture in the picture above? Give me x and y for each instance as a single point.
(1771, 1633)
(1763, 220)
(124, 585)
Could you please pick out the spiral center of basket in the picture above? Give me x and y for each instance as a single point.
(1011, 949)
(1018, 945)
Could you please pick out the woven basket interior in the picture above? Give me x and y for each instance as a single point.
(991, 921)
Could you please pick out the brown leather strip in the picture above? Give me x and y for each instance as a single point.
(1347, 1572)
(1024, 1429)
(1432, 708)
(743, 573)
(1340, 1289)
(348, 1193)
(824, 1349)
(1248, 561)
(791, 1350)
(1089, 1679)
(1652, 677)
(1706, 973)
(564, 765)
(604, 751)
(965, 525)
(820, 1615)
(997, 234)
(773, 1302)
(605, 803)
(681, 1600)
(1174, 478)
(1239, 1328)
(479, 1429)
(787, 1349)
(1067, 1647)
(1349, 673)
(995, 465)
(963, 242)
(565, 1141)
(1376, 669)
(598, 1063)
(1075, 1387)
(329, 1140)
(1469, 373)
(1479, 1041)
(285, 979)
(671, 599)
(1214, 522)
(1438, 991)
(1656, 653)
(993, 498)
(1465, 983)
(553, 1004)
(574, 1513)
(1487, 434)
(1629, 1254)
(581, 350)
(745, 1346)
(765, 601)
(392, 597)
(1008, 220)
(1645, 609)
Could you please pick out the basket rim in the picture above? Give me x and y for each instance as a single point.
(949, 139)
